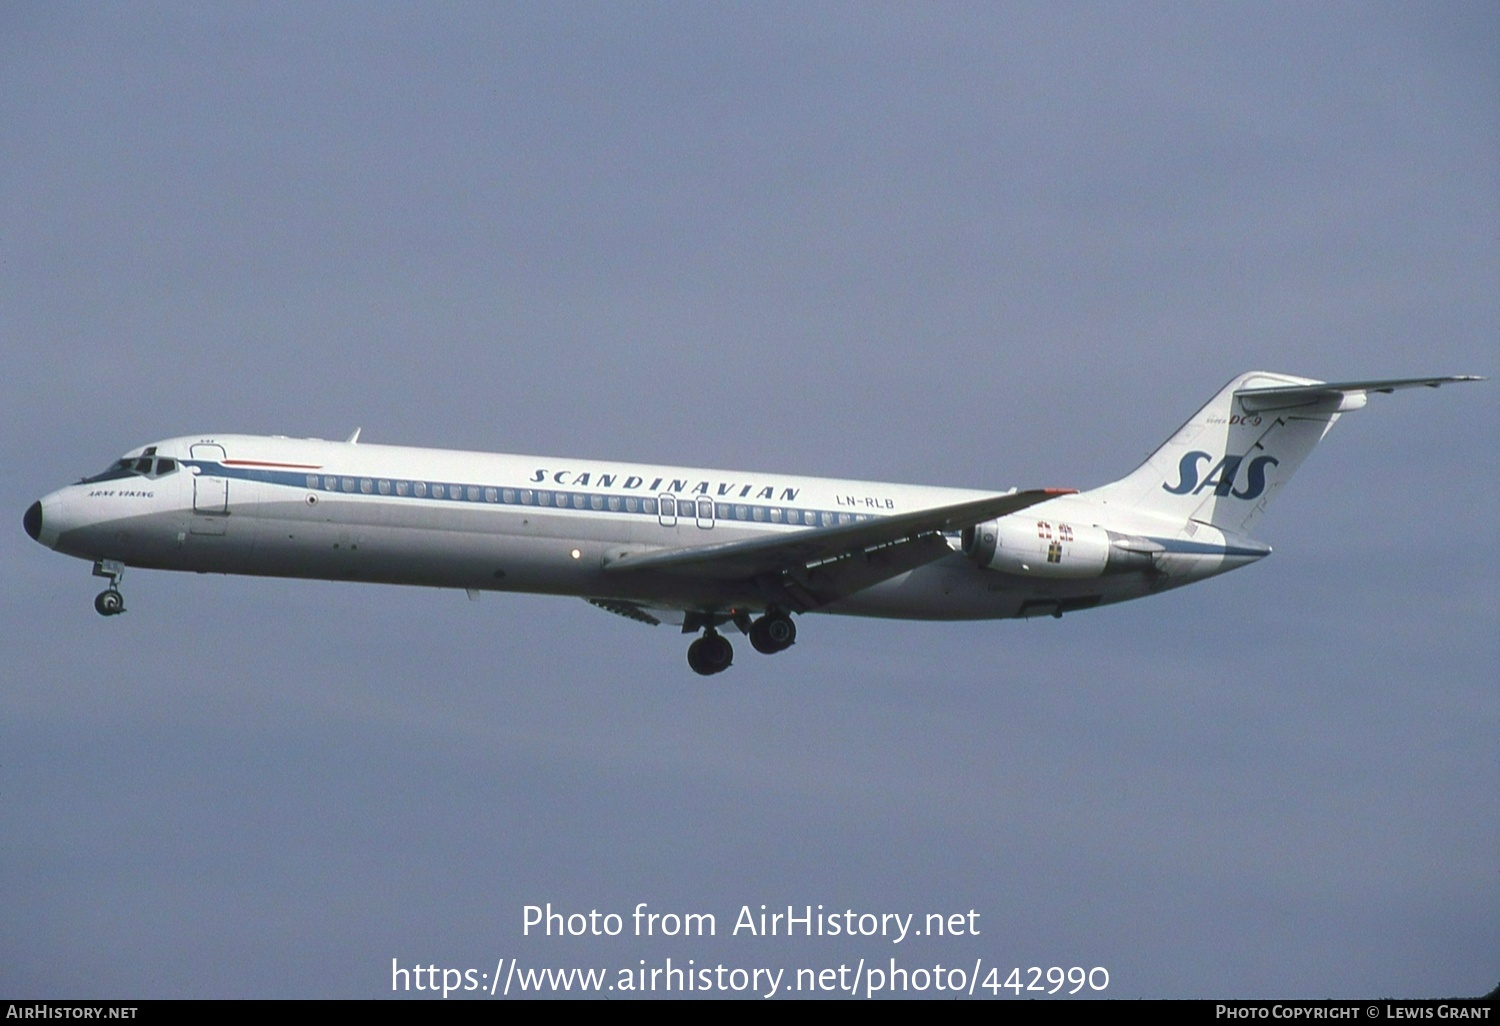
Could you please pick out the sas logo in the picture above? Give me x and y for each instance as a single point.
(1222, 477)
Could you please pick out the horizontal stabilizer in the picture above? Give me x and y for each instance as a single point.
(1286, 397)
(1228, 460)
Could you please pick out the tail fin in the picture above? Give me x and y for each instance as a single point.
(1224, 465)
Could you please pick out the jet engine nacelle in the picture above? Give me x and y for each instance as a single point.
(1051, 548)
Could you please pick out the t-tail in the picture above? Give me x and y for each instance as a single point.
(1224, 466)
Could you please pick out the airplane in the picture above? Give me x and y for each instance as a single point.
(702, 549)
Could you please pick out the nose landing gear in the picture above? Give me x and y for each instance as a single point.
(110, 602)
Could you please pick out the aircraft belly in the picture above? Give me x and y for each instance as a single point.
(533, 550)
(956, 590)
(164, 540)
(484, 548)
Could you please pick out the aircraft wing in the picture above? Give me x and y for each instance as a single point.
(1258, 400)
(918, 536)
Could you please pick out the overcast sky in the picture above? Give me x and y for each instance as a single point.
(978, 245)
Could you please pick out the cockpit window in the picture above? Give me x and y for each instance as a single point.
(115, 471)
(138, 466)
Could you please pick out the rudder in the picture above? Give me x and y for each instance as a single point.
(1223, 466)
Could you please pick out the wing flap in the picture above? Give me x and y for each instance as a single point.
(629, 610)
(817, 586)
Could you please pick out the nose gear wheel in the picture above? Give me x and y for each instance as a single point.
(109, 602)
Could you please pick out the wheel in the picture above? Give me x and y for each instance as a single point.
(109, 603)
(773, 633)
(696, 660)
(780, 631)
(710, 654)
(719, 651)
(758, 639)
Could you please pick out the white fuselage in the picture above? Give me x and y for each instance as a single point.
(275, 506)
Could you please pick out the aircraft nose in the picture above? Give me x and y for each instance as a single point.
(33, 521)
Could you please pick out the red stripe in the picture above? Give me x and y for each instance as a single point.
(263, 463)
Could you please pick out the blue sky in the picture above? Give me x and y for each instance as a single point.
(979, 245)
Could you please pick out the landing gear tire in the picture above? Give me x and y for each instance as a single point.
(109, 603)
(772, 633)
(710, 654)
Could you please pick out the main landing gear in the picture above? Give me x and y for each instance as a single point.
(110, 602)
(711, 653)
(774, 632)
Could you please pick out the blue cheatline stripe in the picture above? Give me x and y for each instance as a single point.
(526, 498)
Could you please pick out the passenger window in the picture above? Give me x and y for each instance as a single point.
(526, 496)
(419, 489)
(367, 486)
(437, 491)
(385, 487)
(544, 498)
(509, 495)
(758, 512)
(776, 514)
(596, 501)
(490, 495)
(631, 504)
(348, 484)
(578, 501)
(614, 503)
(402, 488)
(312, 480)
(474, 494)
(648, 505)
(742, 513)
